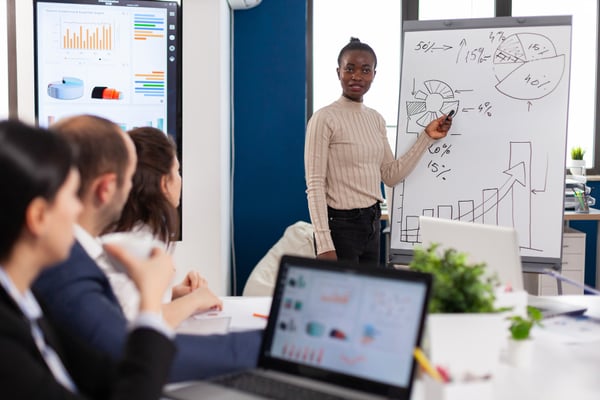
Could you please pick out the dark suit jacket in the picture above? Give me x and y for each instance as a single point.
(25, 375)
(78, 296)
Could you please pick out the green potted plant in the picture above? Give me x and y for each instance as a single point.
(520, 327)
(520, 346)
(577, 153)
(464, 330)
(458, 287)
(577, 163)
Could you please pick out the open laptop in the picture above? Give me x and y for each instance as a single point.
(497, 247)
(336, 330)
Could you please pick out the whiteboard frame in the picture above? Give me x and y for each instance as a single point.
(529, 263)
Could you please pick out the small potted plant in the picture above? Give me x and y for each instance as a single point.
(577, 163)
(464, 330)
(520, 345)
(458, 287)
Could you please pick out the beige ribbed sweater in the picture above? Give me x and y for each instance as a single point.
(346, 157)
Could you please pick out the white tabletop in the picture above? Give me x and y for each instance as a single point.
(238, 314)
(566, 360)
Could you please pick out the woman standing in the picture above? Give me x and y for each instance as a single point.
(347, 156)
(39, 204)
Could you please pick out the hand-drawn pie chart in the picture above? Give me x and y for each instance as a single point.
(437, 100)
(527, 66)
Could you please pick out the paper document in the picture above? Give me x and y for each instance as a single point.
(208, 323)
(571, 330)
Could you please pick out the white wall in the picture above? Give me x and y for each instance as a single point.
(206, 122)
(25, 74)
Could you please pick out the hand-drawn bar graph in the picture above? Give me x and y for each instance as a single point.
(512, 197)
(87, 36)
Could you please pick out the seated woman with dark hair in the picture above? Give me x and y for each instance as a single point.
(39, 204)
(156, 191)
(151, 211)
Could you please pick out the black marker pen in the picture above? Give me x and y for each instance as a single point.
(450, 114)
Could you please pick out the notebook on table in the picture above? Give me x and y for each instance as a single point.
(335, 330)
(496, 246)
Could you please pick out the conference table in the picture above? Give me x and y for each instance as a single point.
(239, 313)
(565, 364)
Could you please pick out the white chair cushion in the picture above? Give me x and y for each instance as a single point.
(297, 240)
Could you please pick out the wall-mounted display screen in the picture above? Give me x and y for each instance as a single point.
(117, 59)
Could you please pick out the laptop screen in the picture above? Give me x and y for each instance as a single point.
(496, 246)
(350, 325)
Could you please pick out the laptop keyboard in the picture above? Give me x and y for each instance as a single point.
(271, 388)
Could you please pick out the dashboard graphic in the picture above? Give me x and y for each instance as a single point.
(349, 324)
(117, 60)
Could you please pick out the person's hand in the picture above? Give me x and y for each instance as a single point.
(192, 281)
(206, 300)
(328, 255)
(438, 128)
(151, 276)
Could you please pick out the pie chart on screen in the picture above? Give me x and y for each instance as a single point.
(527, 66)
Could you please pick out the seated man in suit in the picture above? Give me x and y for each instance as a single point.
(77, 292)
(38, 182)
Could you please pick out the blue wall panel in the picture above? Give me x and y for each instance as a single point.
(270, 120)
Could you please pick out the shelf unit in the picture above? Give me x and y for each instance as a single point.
(573, 267)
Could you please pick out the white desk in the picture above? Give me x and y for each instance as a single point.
(239, 313)
(564, 366)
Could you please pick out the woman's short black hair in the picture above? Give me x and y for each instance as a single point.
(356, 44)
(33, 163)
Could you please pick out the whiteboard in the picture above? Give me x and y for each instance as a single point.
(503, 162)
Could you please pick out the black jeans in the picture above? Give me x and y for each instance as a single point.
(356, 233)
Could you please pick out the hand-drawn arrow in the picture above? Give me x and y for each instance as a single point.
(536, 191)
(516, 174)
(444, 48)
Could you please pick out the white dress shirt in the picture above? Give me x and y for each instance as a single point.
(123, 287)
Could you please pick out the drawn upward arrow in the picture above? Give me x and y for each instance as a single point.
(516, 173)
(529, 104)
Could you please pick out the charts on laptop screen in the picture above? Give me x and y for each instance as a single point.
(117, 59)
(356, 325)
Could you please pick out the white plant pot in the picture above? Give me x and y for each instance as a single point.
(576, 167)
(466, 343)
(519, 353)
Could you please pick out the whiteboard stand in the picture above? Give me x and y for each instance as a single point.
(503, 161)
